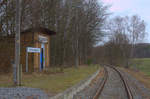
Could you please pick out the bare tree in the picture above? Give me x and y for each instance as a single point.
(125, 32)
(137, 31)
(78, 24)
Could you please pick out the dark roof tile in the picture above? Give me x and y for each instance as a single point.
(39, 29)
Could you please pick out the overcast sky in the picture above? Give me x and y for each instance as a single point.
(131, 7)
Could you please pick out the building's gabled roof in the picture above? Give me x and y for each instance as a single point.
(39, 29)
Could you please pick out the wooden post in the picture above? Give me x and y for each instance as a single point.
(14, 74)
(20, 74)
(26, 60)
(17, 44)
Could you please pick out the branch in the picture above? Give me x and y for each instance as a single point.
(2, 3)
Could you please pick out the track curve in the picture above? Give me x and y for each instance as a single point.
(103, 83)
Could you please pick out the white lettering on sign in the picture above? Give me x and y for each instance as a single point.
(43, 39)
(33, 50)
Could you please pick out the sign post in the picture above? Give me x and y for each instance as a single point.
(31, 50)
(26, 60)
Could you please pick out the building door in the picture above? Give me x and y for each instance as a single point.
(42, 57)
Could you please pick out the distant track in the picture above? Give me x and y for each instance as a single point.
(103, 82)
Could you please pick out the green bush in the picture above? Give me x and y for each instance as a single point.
(89, 61)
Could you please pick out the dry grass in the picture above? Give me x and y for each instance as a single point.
(96, 79)
(6, 80)
(142, 77)
(52, 83)
(143, 73)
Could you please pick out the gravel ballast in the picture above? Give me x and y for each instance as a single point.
(22, 93)
(114, 88)
(89, 91)
(138, 89)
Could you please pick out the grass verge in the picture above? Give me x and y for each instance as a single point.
(143, 70)
(143, 65)
(52, 83)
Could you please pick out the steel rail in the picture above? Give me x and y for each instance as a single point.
(102, 84)
(128, 90)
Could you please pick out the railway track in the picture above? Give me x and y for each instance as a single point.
(104, 81)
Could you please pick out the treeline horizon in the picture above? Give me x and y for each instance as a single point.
(142, 50)
(79, 26)
(124, 32)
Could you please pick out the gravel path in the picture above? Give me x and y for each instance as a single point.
(22, 93)
(114, 87)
